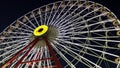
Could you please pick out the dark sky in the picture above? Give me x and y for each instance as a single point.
(10, 10)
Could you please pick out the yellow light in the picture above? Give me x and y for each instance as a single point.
(40, 30)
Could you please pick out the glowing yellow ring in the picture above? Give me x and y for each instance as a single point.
(43, 29)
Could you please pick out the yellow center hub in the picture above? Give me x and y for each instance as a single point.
(40, 30)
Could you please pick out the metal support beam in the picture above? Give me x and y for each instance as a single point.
(17, 54)
(29, 47)
(32, 45)
(58, 65)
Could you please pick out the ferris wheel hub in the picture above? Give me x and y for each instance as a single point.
(40, 30)
(44, 31)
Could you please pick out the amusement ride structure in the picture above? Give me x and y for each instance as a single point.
(63, 34)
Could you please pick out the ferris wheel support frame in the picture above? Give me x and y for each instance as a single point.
(18, 53)
(53, 53)
(30, 46)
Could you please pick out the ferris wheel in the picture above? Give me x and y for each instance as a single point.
(63, 34)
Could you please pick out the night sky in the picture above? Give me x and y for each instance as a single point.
(10, 10)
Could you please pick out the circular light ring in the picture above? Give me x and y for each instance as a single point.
(115, 23)
(117, 60)
(43, 29)
(118, 33)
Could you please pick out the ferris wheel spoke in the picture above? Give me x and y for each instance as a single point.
(83, 21)
(39, 53)
(41, 57)
(75, 58)
(63, 57)
(14, 45)
(34, 58)
(13, 64)
(65, 41)
(46, 56)
(7, 57)
(36, 53)
(74, 12)
(26, 55)
(79, 18)
(74, 53)
(52, 10)
(32, 54)
(22, 29)
(50, 62)
(90, 25)
(35, 18)
(30, 57)
(40, 16)
(45, 19)
(101, 58)
(93, 31)
(31, 46)
(55, 16)
(100, 35)
(14, 37)
(21, 55)
(102, 14)
(97, 56)
(102, 40)
(43, 62)
(79, 14)
(21, 33)
(104, 37)
(40, 63)
(65, 14)
(69, 34)
(25, 25)
(11, 51)
(99, 23)
(76, 29)
(30, 21)
(82, 51)
(84, 62)
(59, 15)
(76, 38)
(13, 41)
(101, 46)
